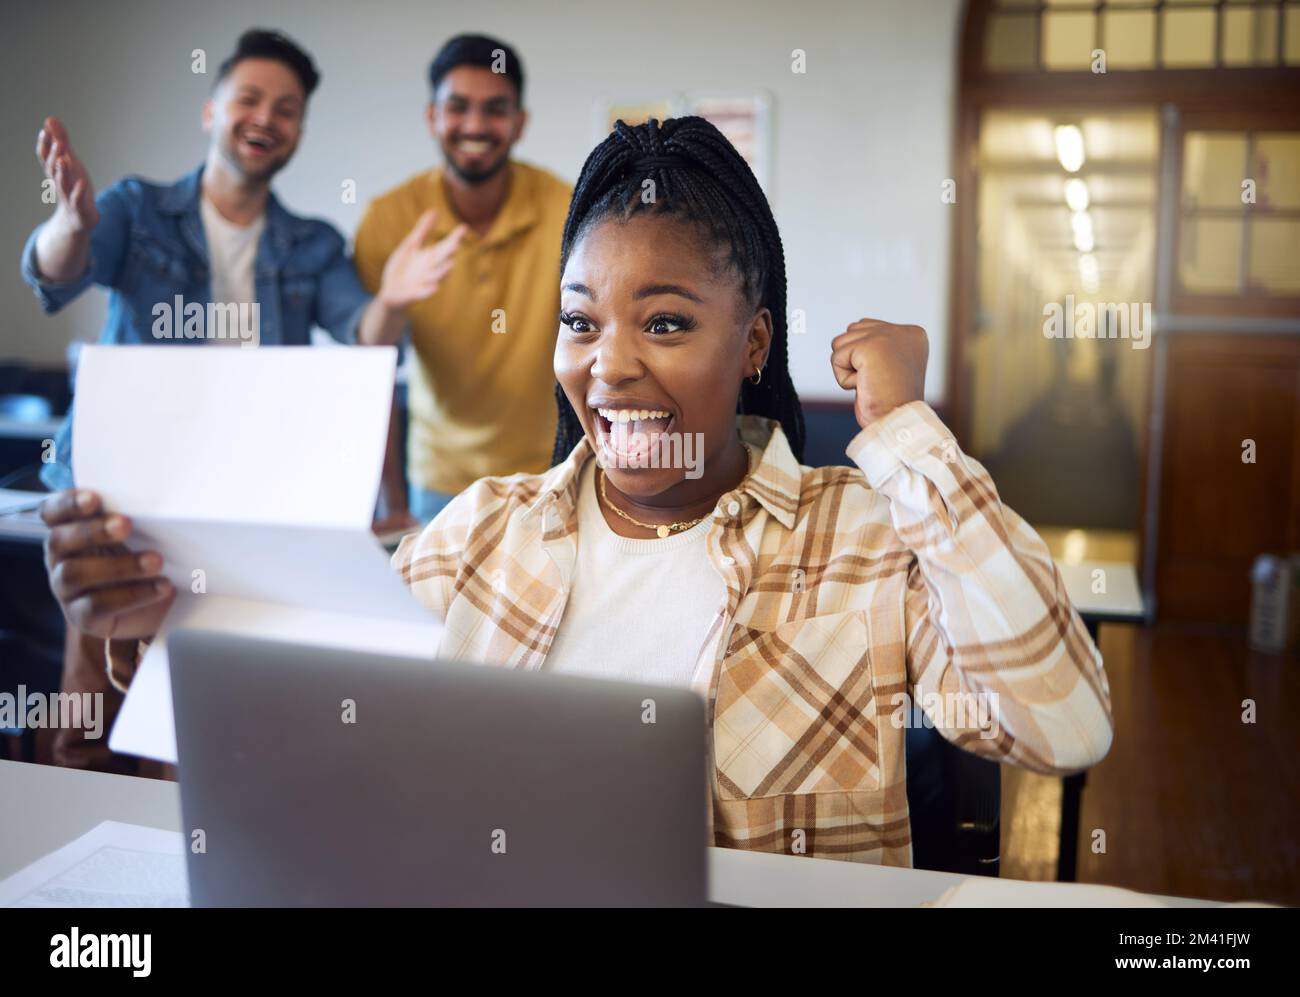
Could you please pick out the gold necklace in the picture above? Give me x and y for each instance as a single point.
(665, 530)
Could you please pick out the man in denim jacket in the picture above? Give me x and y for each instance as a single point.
(214, 245)
(218, 235)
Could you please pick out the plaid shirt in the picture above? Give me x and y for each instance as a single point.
(847, 591)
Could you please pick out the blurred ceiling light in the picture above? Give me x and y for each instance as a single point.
(1081, 222)
(1076, 194)
(1069, 147)
(1076, 545)
(1089, 271)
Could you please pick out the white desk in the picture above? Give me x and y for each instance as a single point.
(1121, 602)
(47, 807)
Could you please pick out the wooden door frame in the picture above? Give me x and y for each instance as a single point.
(1203, 93)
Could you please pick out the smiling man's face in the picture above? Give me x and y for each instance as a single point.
(475, 118)
(255, 117)
(653, 323)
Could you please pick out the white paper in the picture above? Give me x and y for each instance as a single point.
(113, 865)
(145, 723)
(254, 473)
(342, 570)
(274, 435)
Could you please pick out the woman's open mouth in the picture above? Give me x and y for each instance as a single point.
(631, 436)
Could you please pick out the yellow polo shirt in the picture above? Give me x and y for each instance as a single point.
(481, 394)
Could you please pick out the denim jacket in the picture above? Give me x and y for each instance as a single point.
(149, 247)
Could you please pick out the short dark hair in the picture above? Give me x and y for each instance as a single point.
(259, 43)
(478, 50)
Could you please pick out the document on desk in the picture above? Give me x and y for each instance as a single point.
(254, 473)
(113, 865)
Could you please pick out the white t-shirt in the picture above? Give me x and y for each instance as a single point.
(638, 610)
(232, 250)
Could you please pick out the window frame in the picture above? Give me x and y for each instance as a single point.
(1245, 300)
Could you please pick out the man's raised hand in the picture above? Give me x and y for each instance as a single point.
(74, 192)
(414, 271)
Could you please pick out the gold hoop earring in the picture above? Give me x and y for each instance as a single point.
(756, 376)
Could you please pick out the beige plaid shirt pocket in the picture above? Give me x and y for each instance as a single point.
(796, 710)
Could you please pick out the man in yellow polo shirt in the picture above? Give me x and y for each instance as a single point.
(481, 394)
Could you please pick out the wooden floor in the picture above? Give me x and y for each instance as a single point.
(1193, 801)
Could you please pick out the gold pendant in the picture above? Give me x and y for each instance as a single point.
(663, 532)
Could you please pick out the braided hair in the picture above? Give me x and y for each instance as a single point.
(699, 177)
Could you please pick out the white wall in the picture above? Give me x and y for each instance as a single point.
(861, 142)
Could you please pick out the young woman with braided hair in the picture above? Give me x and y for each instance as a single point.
(809, 606)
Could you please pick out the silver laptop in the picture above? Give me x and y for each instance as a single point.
(325, 777)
